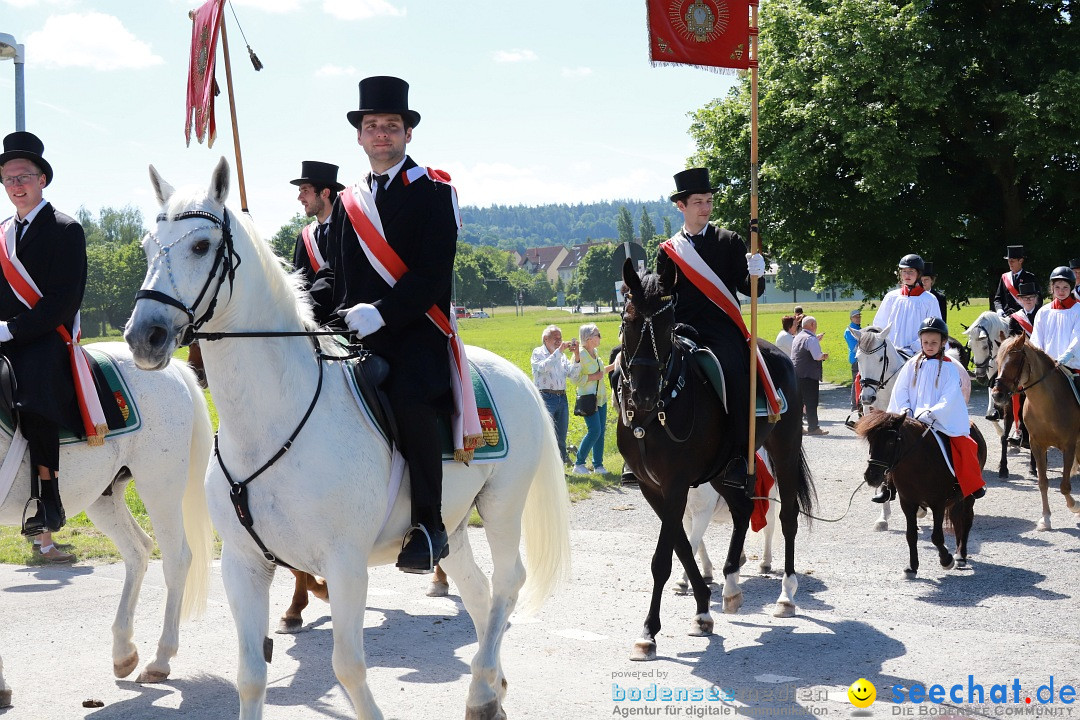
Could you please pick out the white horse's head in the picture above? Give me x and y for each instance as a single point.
(878, 361)
(985, 336)
(196, 259)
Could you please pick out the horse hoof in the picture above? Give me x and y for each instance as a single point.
(488, 711)
(784, 610)
(438, 589)
(5, 698)
(950, 565)
(766, 568)
(290, 625)
(962, 564)
(1043, 524)
(708, 579)
(681, 588)
(881, 525)
(1003, 473)
(148, 676)
(701, 626)
(733, 603)
(643, 650)
(909, 574)
(125, 667)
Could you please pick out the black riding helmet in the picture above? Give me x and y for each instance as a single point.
(912, 261)
(1062, 272)
(933, 324)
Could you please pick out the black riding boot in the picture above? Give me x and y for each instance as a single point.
(35, 524)
(737, 474)
(422, 549)
(55, 517)
(885, 493)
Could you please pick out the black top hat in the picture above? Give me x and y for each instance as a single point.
(384, 94)
(691, 182)
(1074, 263)
(928, 269)
(27, 146)
(318, 173)
(1026, 288)
(1015, 252)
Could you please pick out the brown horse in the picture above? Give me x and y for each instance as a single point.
(901, 452)
(1051, 414)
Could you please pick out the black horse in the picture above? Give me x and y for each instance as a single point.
(673, 433)
(902, 451)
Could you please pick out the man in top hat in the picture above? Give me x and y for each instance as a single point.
(44, 268)
(1005, 300)
(724, 252)
(319, 188)
(1074, 265)
(929, 278)
(417, 212)
(1021, 321)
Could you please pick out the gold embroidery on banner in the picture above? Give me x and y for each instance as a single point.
(699, 20)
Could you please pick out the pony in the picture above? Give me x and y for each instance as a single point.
(326, 506)
(901, 452)
(879, 361)
(985, 336)
(1051, 414)
(672, 435)
(167, 457)
(704, 505)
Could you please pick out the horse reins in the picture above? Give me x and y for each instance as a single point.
(882, 381)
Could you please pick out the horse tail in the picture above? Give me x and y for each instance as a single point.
(804, 488)
(545, 523)
(198, 531)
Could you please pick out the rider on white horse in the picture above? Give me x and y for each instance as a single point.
(414, 226)
(928, 388)
(904, 308)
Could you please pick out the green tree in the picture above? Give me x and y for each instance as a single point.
(792, 278)
(116, 266)
(625, 225)
(284, 240)
(595, 280)
(890, 127)
(646, 229)
(667, 227)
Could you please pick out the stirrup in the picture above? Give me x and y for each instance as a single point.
(37, 524)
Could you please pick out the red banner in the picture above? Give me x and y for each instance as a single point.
(706, 33)
(201, 86)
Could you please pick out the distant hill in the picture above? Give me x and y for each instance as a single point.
(514, 227)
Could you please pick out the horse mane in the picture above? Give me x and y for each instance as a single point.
(865, 340)
(1009, 345)
(286, 287)
(872, 422)
(989, 321)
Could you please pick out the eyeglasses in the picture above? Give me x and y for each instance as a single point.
(13, 180)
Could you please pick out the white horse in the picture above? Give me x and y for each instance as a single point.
(985, 336)
(879, 362)
(321, 507)
(167, 457)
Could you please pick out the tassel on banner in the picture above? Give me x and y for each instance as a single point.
(98, 438)
(464, 455)
(255, 61)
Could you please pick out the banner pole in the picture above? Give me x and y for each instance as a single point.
(232, 114)
(754, 233)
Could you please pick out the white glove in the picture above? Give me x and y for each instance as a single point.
(928, 417)
(1063, 360)
(363, 319)
(755, 264)
(5, 334)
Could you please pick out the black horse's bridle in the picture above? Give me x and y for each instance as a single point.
(637, 359)
(225, 263)
(882, 381)
(984, 336)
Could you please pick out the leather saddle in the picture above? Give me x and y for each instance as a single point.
(8, 390)
(370, 371)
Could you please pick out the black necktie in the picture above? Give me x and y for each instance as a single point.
(20, 228)
(320, 236)
(380, 186)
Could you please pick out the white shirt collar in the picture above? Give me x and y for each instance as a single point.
(390, 174)
(33, 213)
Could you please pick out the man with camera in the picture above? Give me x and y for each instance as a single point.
(549, 370)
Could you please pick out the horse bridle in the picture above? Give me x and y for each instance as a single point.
(225, 258)
(882, 381)
(1019, 389)
(625, 378)
(984, 335)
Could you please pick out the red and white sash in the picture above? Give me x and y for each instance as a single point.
(1008, 280)
(1021, 319)
(698, 272)
(315, 257)
(26, 290)
(360, 207)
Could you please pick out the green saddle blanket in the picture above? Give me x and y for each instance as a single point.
(495, 446)
(710, 367)
(115, 388)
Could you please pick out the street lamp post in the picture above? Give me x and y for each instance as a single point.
(11, 49)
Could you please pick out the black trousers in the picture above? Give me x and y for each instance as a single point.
(808, 388)
(43, 437)
(727, 343)
(418, 438)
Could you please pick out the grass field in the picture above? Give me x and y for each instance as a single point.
(513, 337)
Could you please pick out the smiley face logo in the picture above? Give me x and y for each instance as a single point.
(862, 693)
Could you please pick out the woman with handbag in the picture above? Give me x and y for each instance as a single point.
(587, 373)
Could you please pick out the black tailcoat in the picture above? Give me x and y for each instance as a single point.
(943, 303)
(301, 261)
(53, 250)
(1003, 301)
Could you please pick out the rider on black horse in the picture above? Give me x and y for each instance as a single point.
(725, 253)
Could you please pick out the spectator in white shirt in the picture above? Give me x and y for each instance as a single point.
(549, 370)
(787, 334)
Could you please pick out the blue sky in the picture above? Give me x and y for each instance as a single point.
(521, 102)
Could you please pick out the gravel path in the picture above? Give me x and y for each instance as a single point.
(1011, 616)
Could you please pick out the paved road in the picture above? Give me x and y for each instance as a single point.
(1012, 616)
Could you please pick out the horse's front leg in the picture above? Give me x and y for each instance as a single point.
(912, 534)
(1038, 452)
(247, 586)
(937, 536)
(963, 516)
(741, 507)
(350, 582)
(882, 523)
(1003, 464)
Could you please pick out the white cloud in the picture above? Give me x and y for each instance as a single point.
(336, 71)
(361, 9)
(93, 40)
(576, 72)
(271, 6)
(516, 55)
